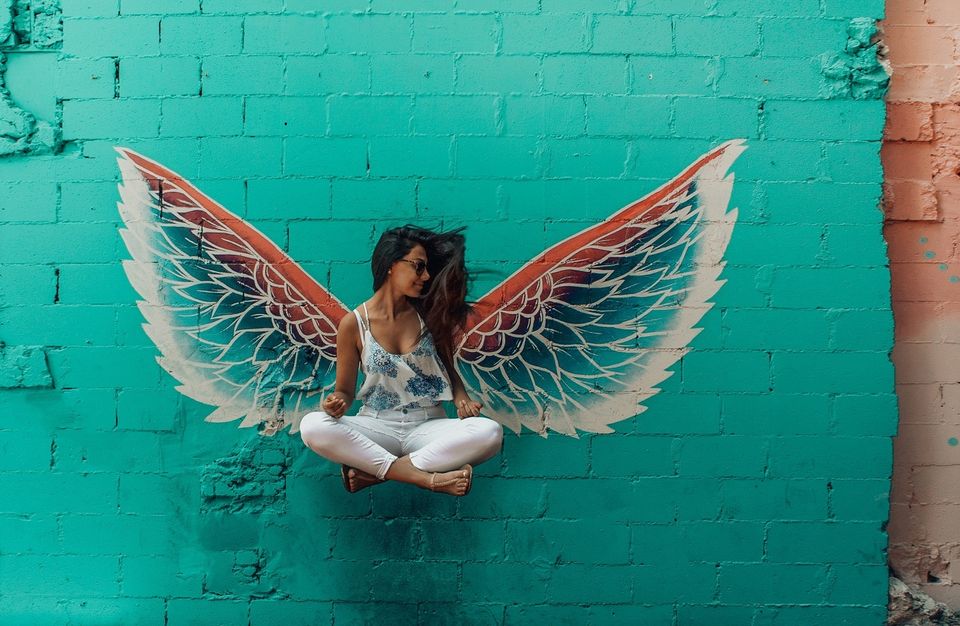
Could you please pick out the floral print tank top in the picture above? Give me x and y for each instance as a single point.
(395, 381)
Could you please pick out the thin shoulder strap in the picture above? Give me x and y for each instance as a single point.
(363, 326)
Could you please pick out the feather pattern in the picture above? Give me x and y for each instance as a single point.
(578, 338)
(238, 323)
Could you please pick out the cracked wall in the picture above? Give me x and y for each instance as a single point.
(922, 203)
(753, 489)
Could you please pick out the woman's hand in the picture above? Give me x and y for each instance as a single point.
(467, 407)
(335, 404)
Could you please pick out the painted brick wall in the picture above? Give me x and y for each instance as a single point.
(921, 157)
(753, 489)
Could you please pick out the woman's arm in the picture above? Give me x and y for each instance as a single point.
(348, 361)
(466, 406)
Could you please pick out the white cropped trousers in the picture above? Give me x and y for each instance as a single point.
(372, 440)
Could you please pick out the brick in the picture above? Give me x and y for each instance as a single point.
(393, 539)
(772, 583)
(631, 455)
(327, 74)
(373, 199)
(369, 33)
(415, 74)
(762, 329)
(801, 8)
(462, 540)
(605, 158)
(158, 494)
(354, 241)
(504, 582)
(864, 372)
(679, 75)
(483, 73)
(42, 280)
(455, 33)
(118, 534)
(141, 7)
(95, 8)
(753, 76)
(112, 452)
(687, 582)
(93, 119)
(410, 156)
(199, 35)
(835, 120)
(584, 74)
(284, 34)
(561, 541)
(201, 117)
(836, 457)
(159, 76)
(268, 611)
(854, 162)
(48, 243)
(552, 116)
(802, 287)
(94, 284)
(727, 117)
(589, 583)
(530, 456)
(534, 34)
(752, 499)
(85, 78)
(396, 581)
(374, 612)
(704, 36)
(455, 115)
(778, 413)
(863, 500)
(286, 115)
(242, 75)
(818, 203)
(820, 37)
(59, 575)
(841, 542)
(325, 156)
(517, 157)
(370, 115)
(716, 542)
(737, 456)
(111, 36)
(224, 157)
(287, 198)
(518, 498)
(822, 614)
(241, 6)
(455, 197)
(181, 610)
(713, 371)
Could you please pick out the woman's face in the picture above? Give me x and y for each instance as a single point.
(404, 275)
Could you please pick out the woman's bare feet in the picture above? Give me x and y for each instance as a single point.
(456, 483)
(356, 479)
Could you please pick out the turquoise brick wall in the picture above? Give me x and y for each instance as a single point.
(753, 489)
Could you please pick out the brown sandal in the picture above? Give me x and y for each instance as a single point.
(438, 486)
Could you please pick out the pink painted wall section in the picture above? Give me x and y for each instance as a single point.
(921, 158)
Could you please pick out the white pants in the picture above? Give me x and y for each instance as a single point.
(372, 440)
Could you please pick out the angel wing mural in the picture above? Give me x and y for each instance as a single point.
(575, 340)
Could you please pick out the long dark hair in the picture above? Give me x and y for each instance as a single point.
(444, 306)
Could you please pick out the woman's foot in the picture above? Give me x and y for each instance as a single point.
(355, 479)
(455, 483)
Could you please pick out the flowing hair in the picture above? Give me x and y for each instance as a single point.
(444, 306)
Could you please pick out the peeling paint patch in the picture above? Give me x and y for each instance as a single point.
(24, 367)
(251, 481)
(859, 72)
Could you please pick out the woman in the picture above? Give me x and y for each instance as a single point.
(402, 338)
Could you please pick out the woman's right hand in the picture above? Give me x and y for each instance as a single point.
(335, 404)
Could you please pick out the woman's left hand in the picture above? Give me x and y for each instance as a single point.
(467, 407)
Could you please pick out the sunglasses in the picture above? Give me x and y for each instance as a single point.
(419, 266)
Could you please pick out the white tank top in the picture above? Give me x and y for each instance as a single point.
(395, 381)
